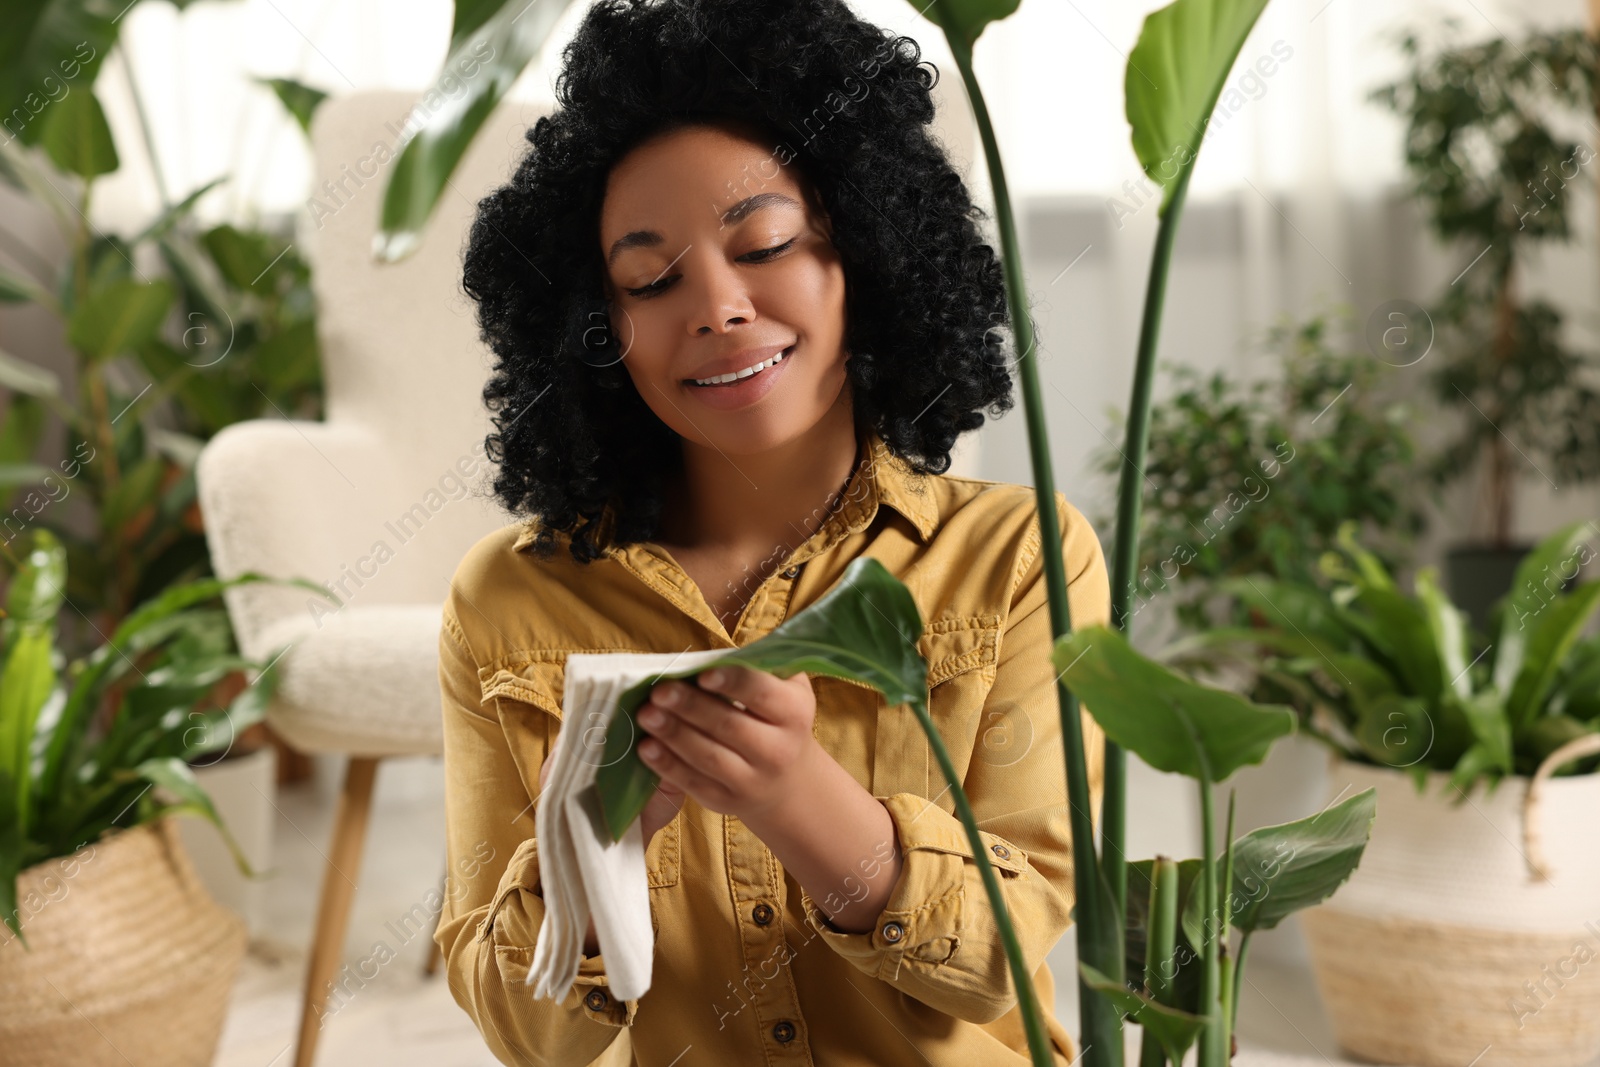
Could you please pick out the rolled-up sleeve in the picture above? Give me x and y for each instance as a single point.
(937, 939)
(493, 907)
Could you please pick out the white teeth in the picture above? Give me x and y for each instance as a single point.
(757, 369)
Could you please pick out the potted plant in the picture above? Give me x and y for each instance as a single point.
(1465, 932)
(1257, 477)
(107, 929)
(1492, 161)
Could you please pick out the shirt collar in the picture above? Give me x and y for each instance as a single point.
(884, 478)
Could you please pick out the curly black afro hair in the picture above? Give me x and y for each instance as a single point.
(851, 102)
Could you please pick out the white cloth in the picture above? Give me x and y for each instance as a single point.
(581, 870)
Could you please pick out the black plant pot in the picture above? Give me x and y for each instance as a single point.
(1478, 575)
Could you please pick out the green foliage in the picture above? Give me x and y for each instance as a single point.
(102, 741)
(1403, 681)
(1174, 76)
(1172, 723)
(864, 629)
(1256, 478)
(1276, 871)
(490, 46)
(164, 358)
(1496, 144)
(299, 99)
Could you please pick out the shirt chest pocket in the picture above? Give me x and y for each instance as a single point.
(885, 748)
(528, 689)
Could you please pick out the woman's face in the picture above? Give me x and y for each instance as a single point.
(717, 260)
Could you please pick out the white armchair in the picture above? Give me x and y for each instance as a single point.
(374, 502)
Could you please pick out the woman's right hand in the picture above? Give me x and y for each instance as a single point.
(660, 809)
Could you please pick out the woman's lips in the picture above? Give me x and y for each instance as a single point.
(743, 391)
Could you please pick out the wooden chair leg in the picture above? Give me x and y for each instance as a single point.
(333, 912)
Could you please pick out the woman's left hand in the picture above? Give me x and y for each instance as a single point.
(732, 761)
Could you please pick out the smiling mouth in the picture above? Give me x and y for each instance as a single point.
(732, 378)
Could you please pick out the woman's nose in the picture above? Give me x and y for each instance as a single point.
(721, 296)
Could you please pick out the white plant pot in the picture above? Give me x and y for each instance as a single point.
(241, 787)
(1444, 949)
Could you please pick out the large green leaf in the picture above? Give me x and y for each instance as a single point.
(1304, 610)
(175, 777)
(1170, 722)
(47, 48)
(20, 376)
(148, 625)
(1174, 1029)
(864, 629)
(119, 317)
(77, 136)
(1448, 625)
(964, 20)
(18, 289)
(1175, 74)
(478, 72)
(244, 257)
(1395, 730)
(21, 428)
(1279, 870)
(299, 99)
(12, 842)
(27, 667)
(1537, 579)
(1553, 635)
(1396, 630)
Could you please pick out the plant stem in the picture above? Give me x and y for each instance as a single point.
(1100, 936)
(1213, 1048)
(1125, 553)
(1160, 949)
(1224, 926)
(1238, 977)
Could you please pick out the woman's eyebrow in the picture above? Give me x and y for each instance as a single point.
(736, 213)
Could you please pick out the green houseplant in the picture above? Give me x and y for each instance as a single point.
(96, 754)
(1487, 885)
(1405, 681)
(1258, 477)
(86, 742)
(175, 331)
(1491, 148)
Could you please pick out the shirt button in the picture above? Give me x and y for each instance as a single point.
(762, 914)
(784, 1032)
(792, 573)
(893, 932)
(596, 1000)
(1001, 851)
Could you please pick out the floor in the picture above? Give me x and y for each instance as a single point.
(397, 1017)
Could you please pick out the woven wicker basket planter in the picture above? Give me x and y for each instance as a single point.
(129, 960)
(1444, 948)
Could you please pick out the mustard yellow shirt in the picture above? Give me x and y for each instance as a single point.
(747, 969)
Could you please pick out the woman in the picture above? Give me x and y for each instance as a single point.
(741, 313)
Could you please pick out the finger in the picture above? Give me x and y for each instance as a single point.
(665, 761)
(713, 716)
(751, 688)
(696, 751)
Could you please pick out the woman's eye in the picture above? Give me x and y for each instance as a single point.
(759, 256)
(649, 290)
(767, 253)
